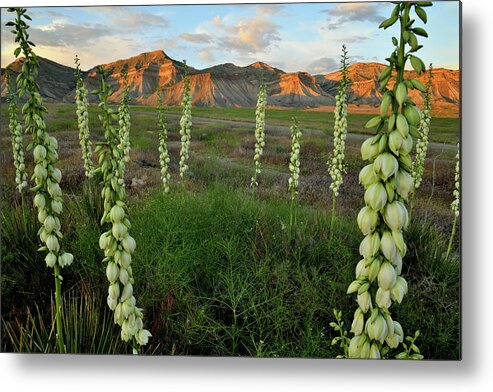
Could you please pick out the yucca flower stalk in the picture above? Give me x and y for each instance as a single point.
(388, 184)
(185, 125)
(294, 169)
(163, 143)
(336, 163)
(124, 120)
(17, 137)
(455, 203)
(259, 132)
(47, 177)
(422, 142)
(83, 120)
(117, 243)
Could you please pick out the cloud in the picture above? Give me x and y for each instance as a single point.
(67, 34)
(342, 14)
(322, 65)
(247, 35)
(269, 9)
(206, 55)
(197, 38)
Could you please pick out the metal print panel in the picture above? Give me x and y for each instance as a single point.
(262, 180)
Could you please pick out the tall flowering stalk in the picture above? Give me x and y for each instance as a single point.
(422, 143)
(83, 120)
(336, 163)
(117, 243)
(48, 198)
(163, 144)
(259, 132)
(455, 204)
(17, 138)
(185, 125)
(294, 168)
(388, 184)
(124, 119)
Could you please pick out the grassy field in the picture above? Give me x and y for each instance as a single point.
(215, 268)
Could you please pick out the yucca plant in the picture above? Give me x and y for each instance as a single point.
(336, 163)
(16, 136)
(422, 142)
(294, 169)
(48, 198)
(455, 203)
(163, 143)
(185, 125)
(388, 184)
(124, 121)
(117, 243)
(83, 120)
(259, 132)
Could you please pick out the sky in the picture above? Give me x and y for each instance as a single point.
(292, 37)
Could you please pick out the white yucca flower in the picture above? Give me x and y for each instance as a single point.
(294, 169)
(185, 125)
(336, 163)
(163, 145)
(83, 120)
(455, 204)
(17, 138)
(117, 243)
(424, 129)
(294, 161)
(259, 132)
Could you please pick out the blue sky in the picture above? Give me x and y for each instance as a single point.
(293, 37)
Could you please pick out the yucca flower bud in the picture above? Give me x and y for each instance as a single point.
(399, 289)
(358, 322)
(65, 259)
(374, 351)
(385, 166)
(56, 206)
(362, 269)
(376, 196)
(387, 276)
(119, 230)
(128, 244)
(394, 215)
(51, 259)
(403, 183)
(369, 150)
(382, 298)
(387, 246)
(370, 245)
(377, 329)
(367, 220)
(259, 132)
(52, 243)
(112, 272)
(39, 153)
(367, 176)
(117, 214)
(364, 301)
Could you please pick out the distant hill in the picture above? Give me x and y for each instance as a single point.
(229, 85)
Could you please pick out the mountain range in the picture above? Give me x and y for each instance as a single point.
(229, 85)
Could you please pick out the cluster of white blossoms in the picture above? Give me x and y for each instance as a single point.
(259, 131)
(124, 124)
(185, 125)
(424, 129)
(163, 145)
(388, 185)
(336, 165)
(455, 204)
(294, 162)
(117, 243)
(17, 138)
(83, 120)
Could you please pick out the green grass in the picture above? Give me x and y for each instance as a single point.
(218, 274)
